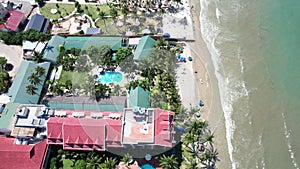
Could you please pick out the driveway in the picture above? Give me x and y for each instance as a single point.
(13, 54)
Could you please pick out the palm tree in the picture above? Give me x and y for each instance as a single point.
(168, 162)
(38, 57)
(34, 79)
(109, 163)
(117, 89)
(126, 158)
(161, 44)
(93, 161)
(40, 71)
(102, 17)
(31, 89)
(3, 62)
(207, 137)
(190, 164)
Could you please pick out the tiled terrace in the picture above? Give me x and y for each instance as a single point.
(137, 127)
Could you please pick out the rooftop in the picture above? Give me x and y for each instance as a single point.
(17, 91)
(85, 133)
(113, 103)
(148, 126)
(139, 97)
(7, 114)
(93, 31)
(51, 51)
(85, 42)
(21, 156)
(144, 48)
(14, 20)
(38, 22)
(30, 116)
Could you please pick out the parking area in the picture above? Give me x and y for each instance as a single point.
(13, 54)
(26, 5)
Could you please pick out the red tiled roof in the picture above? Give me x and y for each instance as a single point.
(14, 20)
(21, 156)
(162, 130)
(85, 133)
(55, 124)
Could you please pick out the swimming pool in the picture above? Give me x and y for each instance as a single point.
(147, 166)
(110, 77)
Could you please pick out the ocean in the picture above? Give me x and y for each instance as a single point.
(255, 49)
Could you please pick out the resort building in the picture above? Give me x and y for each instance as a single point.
(139, 97)
(144, 48)
(85, 103)
(14, 21)
(87, 130)
(15, 154)
(18, 92)
(85, 42)
(38, 22)
(29, 47)
(51, 51)
(93, 31)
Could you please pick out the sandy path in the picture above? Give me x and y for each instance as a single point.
(13, 54)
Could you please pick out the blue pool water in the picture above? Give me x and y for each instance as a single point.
(147, 166)
(110, 77)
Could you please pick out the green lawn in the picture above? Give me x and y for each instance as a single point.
(92, 10)
(67, 163)
(77, 78)
(65, 9)
(109, 27)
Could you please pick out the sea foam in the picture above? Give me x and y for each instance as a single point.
(287, 134)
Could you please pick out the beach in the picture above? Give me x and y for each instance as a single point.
(207, 86)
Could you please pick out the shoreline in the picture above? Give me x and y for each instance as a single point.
(207, 85)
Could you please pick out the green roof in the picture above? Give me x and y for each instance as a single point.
(144, 48)
(7, 114)
(17, 90)
(84, 43)
(139, 97)
(85, 106)
(51, 51)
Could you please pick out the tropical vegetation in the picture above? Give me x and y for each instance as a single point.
(81, 160)
(197, 146)
(5, 81)
(16, 38)
(35, 80)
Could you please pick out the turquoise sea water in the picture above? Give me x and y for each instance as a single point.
(110, 77)
(255, 48)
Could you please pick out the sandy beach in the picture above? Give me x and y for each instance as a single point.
(206, 84)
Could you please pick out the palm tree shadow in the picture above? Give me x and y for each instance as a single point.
(49, 48)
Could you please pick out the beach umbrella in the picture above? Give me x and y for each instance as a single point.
(146, 31)
(166, 35)
(148, 157)
(129, 33)
(190, 58)
(120, 23)
(179, 128)
(201, 103)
